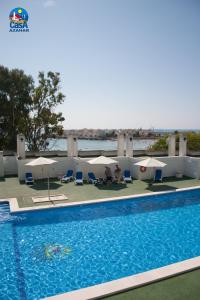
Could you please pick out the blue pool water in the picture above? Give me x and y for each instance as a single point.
(48, 252)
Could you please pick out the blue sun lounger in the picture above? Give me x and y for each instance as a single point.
(158, 175)
(68, 176)
(29, 178)
(79, 178)
(91, 178)
(127, 176)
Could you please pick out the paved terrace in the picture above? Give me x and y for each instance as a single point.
(10, 187)
(182, 287)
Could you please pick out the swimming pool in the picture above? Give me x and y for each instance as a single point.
(49, 252)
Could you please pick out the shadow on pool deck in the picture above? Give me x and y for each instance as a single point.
(44, 186)
(160, 188)
(113, 186)
(177, 180)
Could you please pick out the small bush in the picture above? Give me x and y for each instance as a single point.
(193, 142)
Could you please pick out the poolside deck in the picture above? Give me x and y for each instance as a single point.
(10, 187)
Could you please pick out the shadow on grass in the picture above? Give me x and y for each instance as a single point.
(112, 187)
(160, 188)
(39, 186)
(174, 179)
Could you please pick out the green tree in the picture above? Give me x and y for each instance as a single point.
(28, 109)
(15, 100)
(43, 122)
(160, 144)
(193, 142)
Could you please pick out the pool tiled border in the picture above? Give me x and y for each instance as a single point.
(126, 283)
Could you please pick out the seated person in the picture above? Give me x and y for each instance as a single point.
(117, 174)
(108, 175)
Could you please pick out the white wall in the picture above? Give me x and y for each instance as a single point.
(188, 166)
(1, 164)
(10, 165)
(54, 170)
(175, 164)
(99, 170)
(192, 167)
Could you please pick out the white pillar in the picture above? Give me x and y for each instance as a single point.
(1, 164)
(182, 145)
(66, 141)
(129, 145)
(70, 146)
(172, 145)
(120, 144)
(21, 146)
(75, 152)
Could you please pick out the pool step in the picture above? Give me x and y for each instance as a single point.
(4, 211)
(4, 207)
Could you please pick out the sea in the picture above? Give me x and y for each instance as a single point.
(84, 144)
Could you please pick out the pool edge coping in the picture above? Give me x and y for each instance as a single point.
(130, 282)
(14, 207)
(125, 283)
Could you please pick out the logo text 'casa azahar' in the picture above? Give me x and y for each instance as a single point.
(18, 20)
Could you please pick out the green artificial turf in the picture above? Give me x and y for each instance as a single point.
(182, 287)
(11, 188)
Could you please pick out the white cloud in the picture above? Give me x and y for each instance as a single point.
(49, 3)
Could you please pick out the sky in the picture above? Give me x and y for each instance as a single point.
(123, 63)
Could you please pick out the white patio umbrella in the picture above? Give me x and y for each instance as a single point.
(42, 161)
(102, 160)
(150, 163)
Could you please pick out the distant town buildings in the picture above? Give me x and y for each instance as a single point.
(87, 133)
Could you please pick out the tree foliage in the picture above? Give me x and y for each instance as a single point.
(193, 139)
(15, 100)
(43, 122)
(193, 142)
(29, 109)
(160, 144)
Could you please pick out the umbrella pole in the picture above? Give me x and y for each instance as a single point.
(48, 185)
(152, 180)
(48, 189)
